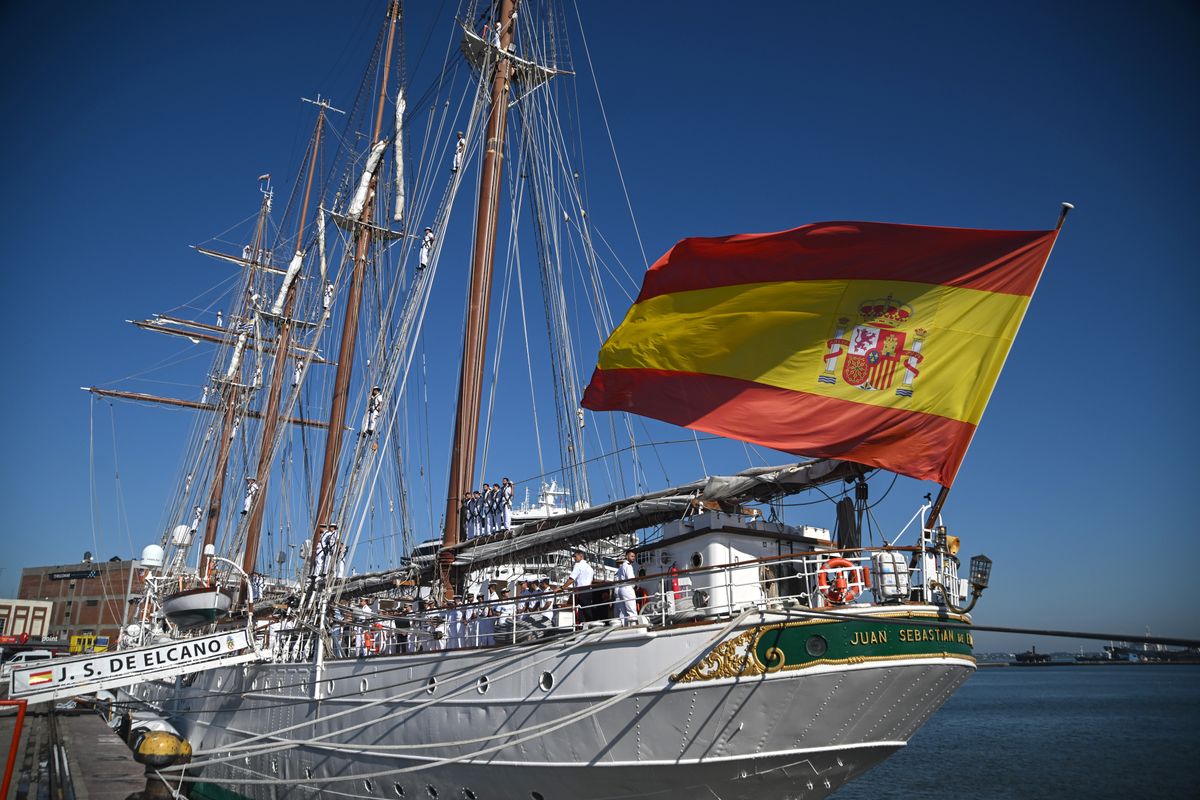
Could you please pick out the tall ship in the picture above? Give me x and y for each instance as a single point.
(644, 639)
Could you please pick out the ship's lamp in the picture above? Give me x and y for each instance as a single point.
(981, 571)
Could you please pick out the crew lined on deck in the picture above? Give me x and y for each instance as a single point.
(488, 510)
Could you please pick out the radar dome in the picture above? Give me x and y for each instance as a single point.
(181, 536)
(152, 556)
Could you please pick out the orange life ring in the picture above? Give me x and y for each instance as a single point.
(842, 591)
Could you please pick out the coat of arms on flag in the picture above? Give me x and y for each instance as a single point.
(877, 352)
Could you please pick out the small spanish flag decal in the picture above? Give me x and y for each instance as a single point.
(41, 677)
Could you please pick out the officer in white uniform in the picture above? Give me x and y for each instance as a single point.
(581, 582)
(626, 594)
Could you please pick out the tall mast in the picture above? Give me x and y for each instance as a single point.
(341, 385)
(283, 343)
(470, 383)
(231, 392)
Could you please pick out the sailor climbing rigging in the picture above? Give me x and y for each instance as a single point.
(251, 493)
(426, 248)
(374, 407)
(460, 149)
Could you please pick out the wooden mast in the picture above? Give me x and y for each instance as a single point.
(341, 385)
(230, 395)
(283, 341)
(466, 423)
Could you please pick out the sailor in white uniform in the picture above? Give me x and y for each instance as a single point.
(327, 297)
(220, 319)
(374, 407)
(506, 494)
(460, 148)
(197, 516)
(297, 374)
(251, 493)
(325, 550)
(426, 248)
(626, 593)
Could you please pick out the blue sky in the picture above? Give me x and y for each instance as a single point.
(137, 129)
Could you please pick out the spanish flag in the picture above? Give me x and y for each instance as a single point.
(41, 677)
(869, 342)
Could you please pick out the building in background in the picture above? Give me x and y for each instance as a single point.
(91, 598)
(25, 619)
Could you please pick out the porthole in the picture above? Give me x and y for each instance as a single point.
(398, 789)
(697, 560)
(481, 685)
(431, 685)
(274, 766)
(307, 773)
(664, 558)
(467, 793)
(368, 787)
(546, 682)
(431, 790)
(330, 686)
(219, 682)
(246, 760)
(816, 646)
(362, 686)
(536, 796)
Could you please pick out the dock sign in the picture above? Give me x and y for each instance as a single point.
(64, 677)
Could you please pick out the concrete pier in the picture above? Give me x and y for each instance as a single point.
(69, 754)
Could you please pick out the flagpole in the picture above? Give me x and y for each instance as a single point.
(936, 510)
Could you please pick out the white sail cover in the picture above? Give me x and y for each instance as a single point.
(289, 277)
(398, 214)
(364, 183)
(321, 242)
(235, 360)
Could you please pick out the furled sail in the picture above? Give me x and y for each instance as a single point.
(321, 243)
(364, 183)
(398, 214)
(759, 484)
(288, 279)
(870, 342)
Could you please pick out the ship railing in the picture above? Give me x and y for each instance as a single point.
(825, 579)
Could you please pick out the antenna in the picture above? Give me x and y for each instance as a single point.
(322, 102)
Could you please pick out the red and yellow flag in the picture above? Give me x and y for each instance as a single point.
(41, 677)
(865, 341)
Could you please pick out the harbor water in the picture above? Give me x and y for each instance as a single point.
(1072, 731)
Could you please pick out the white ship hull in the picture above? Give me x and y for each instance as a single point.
(612, 722)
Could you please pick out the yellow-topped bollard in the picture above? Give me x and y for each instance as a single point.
(160, 749)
